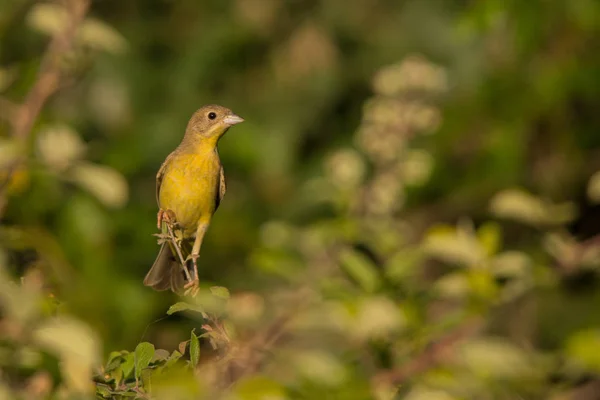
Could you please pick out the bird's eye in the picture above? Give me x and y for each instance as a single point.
(212, 115)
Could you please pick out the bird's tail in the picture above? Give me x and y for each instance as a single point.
(166, 272)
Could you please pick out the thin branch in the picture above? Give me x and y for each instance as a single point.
(48, 79)
(50, 74)
(430, 357)
(177, 250)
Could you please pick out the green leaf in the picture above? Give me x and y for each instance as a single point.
(143, 354)
(220, 291)
(361, 269)
(583, 348)
(490, 237)
(194, 349)
(117, 375)
(182, 306)
(128, 365)
(175, 356)
(103, 391)
(115, 359)
(160, 355)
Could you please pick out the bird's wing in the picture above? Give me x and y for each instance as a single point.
(161, 173)
(222, 187)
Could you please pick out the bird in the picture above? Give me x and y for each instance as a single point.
(190, 185)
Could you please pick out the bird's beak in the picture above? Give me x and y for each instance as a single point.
(233, 119)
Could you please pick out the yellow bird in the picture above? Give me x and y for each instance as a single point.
(190, 184)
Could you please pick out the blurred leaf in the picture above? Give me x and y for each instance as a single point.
(47, 18)
(361, 269)
(497, 358)
(378, 317)
(143, 355)
(7, 77)
(99, 35)
(259, 388)
(10, 150)
(511, 264)
(593, 189)
(521, 206)
(220, 291)
(490, 237)
(76, 345)
(404, 264)
(453, 286)
(424, 393)
(106, 184)
(320, 367)
(482, 284)
(417, 167)
(584, 348)
(194, 350)
(455, 246)
(59, 146)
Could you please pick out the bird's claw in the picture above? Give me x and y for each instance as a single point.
(192, 288)
(167, 216)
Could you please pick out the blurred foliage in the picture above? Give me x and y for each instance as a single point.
(413, 204)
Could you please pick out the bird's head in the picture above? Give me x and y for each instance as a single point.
(211, 122)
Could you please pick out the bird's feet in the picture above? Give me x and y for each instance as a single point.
(192, 287)
(167, 216)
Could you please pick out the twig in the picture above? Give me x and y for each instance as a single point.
(571, 265)
(178, 250)
(429, 358)
(48, 80)
(246, 358)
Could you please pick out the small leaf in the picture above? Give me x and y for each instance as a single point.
(47, 18)
(220, 291)
(521, 206)
(378, 317)
(143, 354)
(103, 391)
(117, 375)
(59, 147)
(97, 34)
(453, 286)
(321, 367)
(490, 237)
(361, 269)
(495, 357)
(593, 188)
(183, 346)
(160, 355)
(454, 245)
(175, 356)
(194, 349)
(128, 365)
(182, 306)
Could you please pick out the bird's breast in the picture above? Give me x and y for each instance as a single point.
(189, 188)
